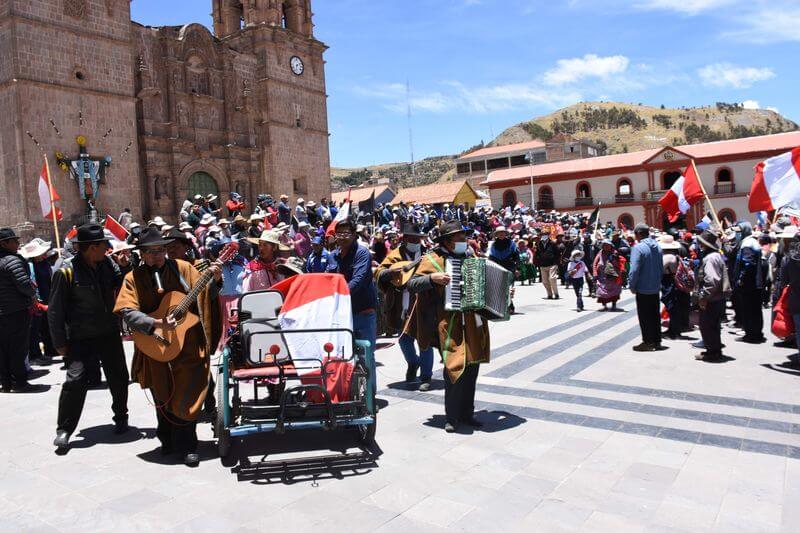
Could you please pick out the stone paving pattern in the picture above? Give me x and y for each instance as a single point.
(581, 434)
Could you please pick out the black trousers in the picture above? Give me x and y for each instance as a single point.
(40, 333)
(752, 314)
(649, 312)
(679, 314)
(14, 331)
(459, 397)
(710, 326)
(176, 435)
(83, 360)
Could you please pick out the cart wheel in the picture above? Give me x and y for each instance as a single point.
(223, 434)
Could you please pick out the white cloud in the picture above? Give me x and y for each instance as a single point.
(774, 110)
(729, 75)
(751, 104)
(589, 66)
(688, 7)
(769, 25)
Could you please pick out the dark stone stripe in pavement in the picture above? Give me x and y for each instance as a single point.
(528, 361)
(695, 437)
(544, 334)
(660, 410)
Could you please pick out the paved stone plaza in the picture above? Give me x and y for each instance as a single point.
(581, 434)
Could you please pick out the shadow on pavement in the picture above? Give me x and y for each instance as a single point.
(788, 367)
(493, 421)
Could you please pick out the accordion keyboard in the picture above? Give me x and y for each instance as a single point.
(452, 292)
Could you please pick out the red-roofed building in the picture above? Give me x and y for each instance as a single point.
(629, 185)
(476, 165)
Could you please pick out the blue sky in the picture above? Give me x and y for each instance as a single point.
(476, 67)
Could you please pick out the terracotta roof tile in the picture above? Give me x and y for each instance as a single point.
(435, 193)
(496, 150)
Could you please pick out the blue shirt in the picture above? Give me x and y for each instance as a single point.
(316, 264)
(233, 278)
(647, 267)
(356, 267)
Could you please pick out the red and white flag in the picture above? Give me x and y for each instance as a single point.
(71, 234)
(116, 229)
(684, 193)
(319, 302)
(343, 214)
(777, 182)
(49, 208)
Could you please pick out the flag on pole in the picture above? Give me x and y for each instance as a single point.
(684, 193)
(71, 234)
(706, 222)
(593, 217)
(116, 229)
(343, 214)
(48, 197)
(367, 207)
(776, 183)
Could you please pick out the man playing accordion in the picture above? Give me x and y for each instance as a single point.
(462, 338)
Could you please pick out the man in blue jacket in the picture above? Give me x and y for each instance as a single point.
(354, 262)
(319, 260)
(647, 268)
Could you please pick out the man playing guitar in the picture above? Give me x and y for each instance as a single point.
(178, 386)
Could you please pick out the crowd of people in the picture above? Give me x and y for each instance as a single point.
(80, 300)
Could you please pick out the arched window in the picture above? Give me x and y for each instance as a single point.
(625, 221)
(202, 183)
(624, 187)
(583, 190)
(545, 198)
(724, 175)
(509, 198)
(724, 181)
(727, 214)
(196, 75)
(668, 179)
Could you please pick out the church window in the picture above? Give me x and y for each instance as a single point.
(300, 186)
(668, 179)
(202, 183)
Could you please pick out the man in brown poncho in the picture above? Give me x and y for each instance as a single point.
(462, 338)
(178, 387)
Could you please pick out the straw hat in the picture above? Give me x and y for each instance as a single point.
(120, 246)
(667, 242)
(207, 220)
(292, 266)
(267, 236)
(36, 248)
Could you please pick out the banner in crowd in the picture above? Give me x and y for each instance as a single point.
(776, 183)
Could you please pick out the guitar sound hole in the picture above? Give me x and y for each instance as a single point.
(179, 318)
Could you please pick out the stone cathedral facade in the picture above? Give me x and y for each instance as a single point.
(178, 109)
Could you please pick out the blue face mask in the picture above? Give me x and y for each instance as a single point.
(460, 248)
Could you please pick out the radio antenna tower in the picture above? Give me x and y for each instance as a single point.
(411, 133)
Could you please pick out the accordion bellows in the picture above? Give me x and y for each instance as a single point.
(478, 285)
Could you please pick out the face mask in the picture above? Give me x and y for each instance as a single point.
(460, 248)
(413, 247)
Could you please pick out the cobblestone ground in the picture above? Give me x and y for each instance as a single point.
(581, 434)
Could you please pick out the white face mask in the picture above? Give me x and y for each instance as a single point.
(460, 248)
(413, 247)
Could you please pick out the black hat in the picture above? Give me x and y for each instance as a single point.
(90, 233)
(7, 234)
(710, 239)
(152, 237)
(177, 235)
(412, 230)
(450, 228)
(347, 222)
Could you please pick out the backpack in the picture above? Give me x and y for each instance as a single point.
(610, 270)
(684, 278)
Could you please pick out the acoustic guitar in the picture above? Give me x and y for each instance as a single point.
(164, 346)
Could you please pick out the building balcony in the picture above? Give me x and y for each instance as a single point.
(624, 198)
(584, 201)
(725, 188)
(653, 196)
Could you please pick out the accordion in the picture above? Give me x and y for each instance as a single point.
(478, 285)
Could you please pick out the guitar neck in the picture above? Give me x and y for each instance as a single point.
(190, 298)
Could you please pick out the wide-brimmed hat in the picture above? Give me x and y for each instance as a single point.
(304, 224)
(177, 235)
(93, 233)
(185, 226)
(120, 246)
(317, 240)
(452, 227)
(668, 242)
(412, 230)
(211, 197)
(223, 221)
(36, 248)
(710, 239)
(207, 220)
(292, 266)
(576, 254)
(7, 234)
(255, 216)
(789, 232)
(151, 237)
(269, 236)
(500, 229)
(157, 221)
(239, 218)
(134, 225)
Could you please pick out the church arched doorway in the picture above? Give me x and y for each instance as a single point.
(202, 183)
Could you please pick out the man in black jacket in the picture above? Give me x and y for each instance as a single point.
(548, 257)
(16, 298)
(85, 330)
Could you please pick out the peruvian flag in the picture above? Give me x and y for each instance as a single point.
(49, 208)
(777, 182)
(343, 214)
(683, 194)
(116, 228)
(319, 302)
(72, 233)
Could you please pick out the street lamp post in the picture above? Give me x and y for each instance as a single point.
(529, 157)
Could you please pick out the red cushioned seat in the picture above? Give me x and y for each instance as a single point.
(264, 372)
